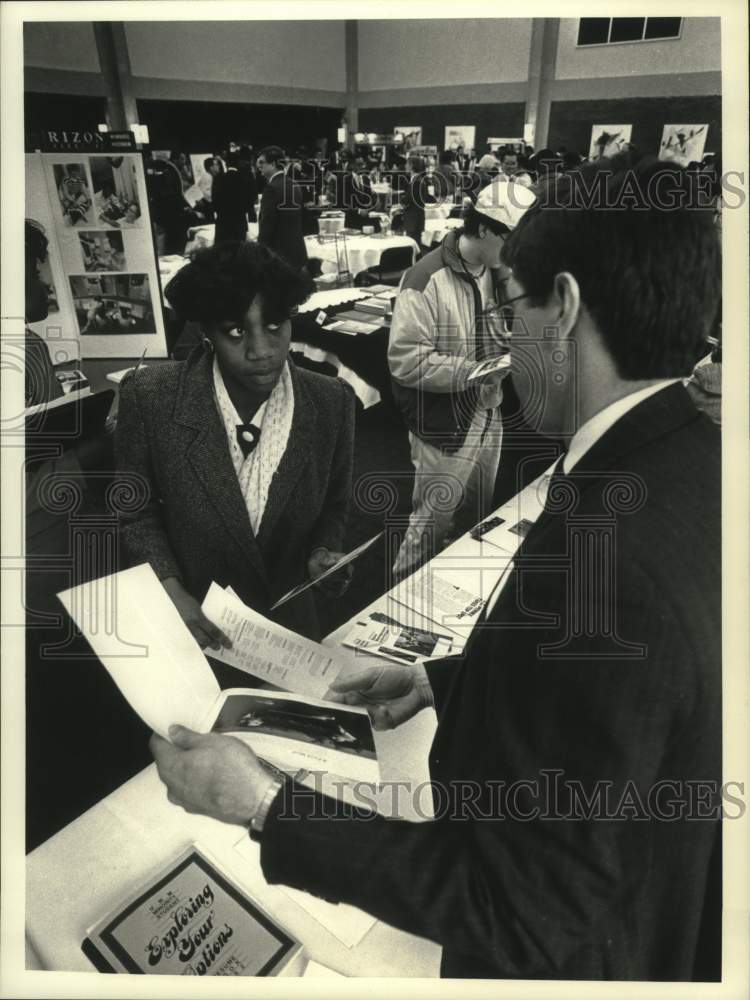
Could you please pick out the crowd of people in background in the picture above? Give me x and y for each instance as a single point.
(228, 190)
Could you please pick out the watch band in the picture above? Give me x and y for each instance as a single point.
(258, 822)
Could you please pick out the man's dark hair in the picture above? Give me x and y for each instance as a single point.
(418, 164)
(447, 156)
(221, 281)
(643, 250)
(472, 220)
(273, 154)
(209, 162)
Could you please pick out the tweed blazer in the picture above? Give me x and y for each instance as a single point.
(600, 664)
(193, 523)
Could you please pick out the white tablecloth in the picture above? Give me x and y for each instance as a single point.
(205, 234)
(361, 251)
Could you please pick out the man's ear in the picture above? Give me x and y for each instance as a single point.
(567, 298)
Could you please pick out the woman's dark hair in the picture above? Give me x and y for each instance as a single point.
(473, 220)
(643, 250)
(221, 281)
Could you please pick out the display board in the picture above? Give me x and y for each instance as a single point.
(460, 135)
(99, 210)
(58, 330)
(412, 135)
(683, 144)
(608, 140)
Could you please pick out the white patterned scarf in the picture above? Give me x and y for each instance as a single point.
(274, 418)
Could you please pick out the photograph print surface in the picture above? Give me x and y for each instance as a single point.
(108, 304)
(102, 251)
(330, 726)
(116, 197)
(73, 194)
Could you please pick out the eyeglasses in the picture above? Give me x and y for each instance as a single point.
(507, 314)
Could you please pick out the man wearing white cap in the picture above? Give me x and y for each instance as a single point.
(444, 325)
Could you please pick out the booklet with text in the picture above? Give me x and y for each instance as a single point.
(191, 919)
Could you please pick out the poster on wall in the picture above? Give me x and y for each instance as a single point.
(683, 144)
(608, 140)
(460, 135)
(108, 264)
(43, 254)
(412, 135)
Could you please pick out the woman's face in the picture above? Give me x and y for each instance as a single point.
(253, 354)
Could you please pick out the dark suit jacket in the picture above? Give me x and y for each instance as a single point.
(280, 225)
(634, 703)
(195, 525)
(229, 199)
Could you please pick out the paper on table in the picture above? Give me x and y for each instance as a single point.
(264, 649)
(381, 635)
(437, 599)
(345, 922)
(343, 561)
(138, 634)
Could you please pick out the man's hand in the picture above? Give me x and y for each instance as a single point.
(211, 774)
(321, 560)
(205, 633)
(391, 695)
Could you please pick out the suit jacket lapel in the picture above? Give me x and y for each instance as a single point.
(301, 445)
(208, 454)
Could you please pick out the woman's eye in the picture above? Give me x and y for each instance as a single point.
(273, 327)
(235, 333)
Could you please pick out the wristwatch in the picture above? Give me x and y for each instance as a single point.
(258, 821)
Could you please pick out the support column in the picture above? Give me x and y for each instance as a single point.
(352, 80)
(542, 59)
(114, 60)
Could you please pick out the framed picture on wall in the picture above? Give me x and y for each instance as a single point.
(683, 144)
(460, 135)
(412, 135)
(608, 140)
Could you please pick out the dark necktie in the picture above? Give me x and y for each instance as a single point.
(248, 436)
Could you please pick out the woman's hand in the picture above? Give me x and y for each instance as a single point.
(205, 633)
(391, 695)
(321, 560)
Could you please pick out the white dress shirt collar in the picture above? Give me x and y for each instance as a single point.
(275, 175)
(595, 427)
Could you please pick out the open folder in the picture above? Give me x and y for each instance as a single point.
(138, 634)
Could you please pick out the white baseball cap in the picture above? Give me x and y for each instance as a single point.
(505, 201)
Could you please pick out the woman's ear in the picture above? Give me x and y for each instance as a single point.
(567, 298)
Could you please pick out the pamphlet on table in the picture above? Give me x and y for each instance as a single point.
(191, 919)
(380, 635)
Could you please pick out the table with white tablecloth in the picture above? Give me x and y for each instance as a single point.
(354, 253)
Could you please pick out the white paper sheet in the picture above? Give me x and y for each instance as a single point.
(264, 649)
(381, 635)
(139, 636)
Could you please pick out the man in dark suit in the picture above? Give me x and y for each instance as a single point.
(229, 201)
(571, 840)
(280, 226)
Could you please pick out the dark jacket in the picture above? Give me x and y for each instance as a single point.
(229, 198)
(632, 701)
(280, 225)
(195, 525)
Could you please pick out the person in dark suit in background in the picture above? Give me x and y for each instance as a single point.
(568, 842)
(229, 200)
(280, 225)
(225, 439)
(247, 169)
(414, 198)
